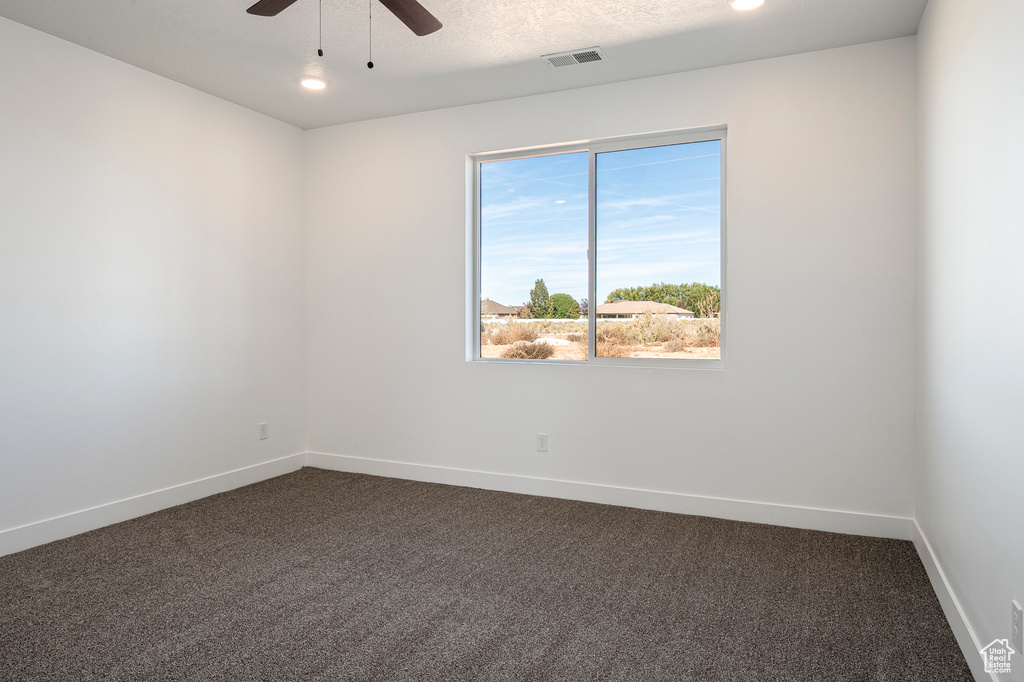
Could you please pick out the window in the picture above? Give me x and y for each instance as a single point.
(609, 252)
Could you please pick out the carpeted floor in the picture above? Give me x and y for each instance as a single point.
(321, 575)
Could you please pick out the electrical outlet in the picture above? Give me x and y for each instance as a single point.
(542, 442)
(264, 431)
(1015, 626)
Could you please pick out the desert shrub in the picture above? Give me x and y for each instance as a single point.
(614, 348)
(525, 350)
(578, 337)
(612, 332)
(513, 331)
(648, 328)
(645, 329)
(620, 339)
(707, 335)
(676, 345)
(574, 327)
(558, 327)
(614, 340)
(695, 334)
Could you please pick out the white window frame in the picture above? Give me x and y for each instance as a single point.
(593, 148)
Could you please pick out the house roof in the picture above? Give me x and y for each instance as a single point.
(638, 307)
(489, 307)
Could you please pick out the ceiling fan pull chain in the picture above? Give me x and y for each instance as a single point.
(320, 50)
(369, 64)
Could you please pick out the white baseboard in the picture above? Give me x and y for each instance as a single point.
(40, 532)
(962, 630)
(853, 523)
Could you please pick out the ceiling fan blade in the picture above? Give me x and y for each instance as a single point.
(270, 8)
(412, 14)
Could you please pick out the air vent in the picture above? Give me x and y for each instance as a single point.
(573, 57)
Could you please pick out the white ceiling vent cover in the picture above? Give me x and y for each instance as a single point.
(573, 57)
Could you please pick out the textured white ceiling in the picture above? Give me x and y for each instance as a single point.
(487, 50)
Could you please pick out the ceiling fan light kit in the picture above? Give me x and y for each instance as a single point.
(744, 5)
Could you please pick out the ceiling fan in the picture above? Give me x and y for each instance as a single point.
(411, 13)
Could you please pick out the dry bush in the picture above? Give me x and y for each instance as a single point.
(513, 331)
(644, 329)
(582, 339)
(620, 339)
(575, 327)
(614, 340)
(641, 329)
(677, 344)
(648, 328)
(524, 350)
(615, 332)
(544, 326)
(614, 348)
(707, 307)
(707, 335)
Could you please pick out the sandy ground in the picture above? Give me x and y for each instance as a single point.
(575, 351)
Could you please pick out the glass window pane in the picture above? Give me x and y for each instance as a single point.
(533, 257)
(659, 234)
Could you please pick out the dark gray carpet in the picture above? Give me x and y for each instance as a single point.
(326, 576)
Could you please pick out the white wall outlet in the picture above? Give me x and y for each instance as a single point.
(264, 430)
(542, 442)
(1016, 625)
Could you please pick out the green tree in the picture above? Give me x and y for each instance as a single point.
(540, 302)
(564, 306)
(661, 293)
(704, 300)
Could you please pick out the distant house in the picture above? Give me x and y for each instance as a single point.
(489, 308)
(631, 309)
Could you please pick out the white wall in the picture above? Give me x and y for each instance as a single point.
(970, 398)
(151, 297)
(150, 283)
(817, 413)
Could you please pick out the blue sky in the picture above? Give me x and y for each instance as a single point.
(657, 221)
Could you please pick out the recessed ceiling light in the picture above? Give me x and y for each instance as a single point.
(313, 83)
(745, 4)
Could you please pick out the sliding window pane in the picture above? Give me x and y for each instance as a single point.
(659, 245)
(533, 257)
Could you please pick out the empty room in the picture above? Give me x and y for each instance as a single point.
(430, 340)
